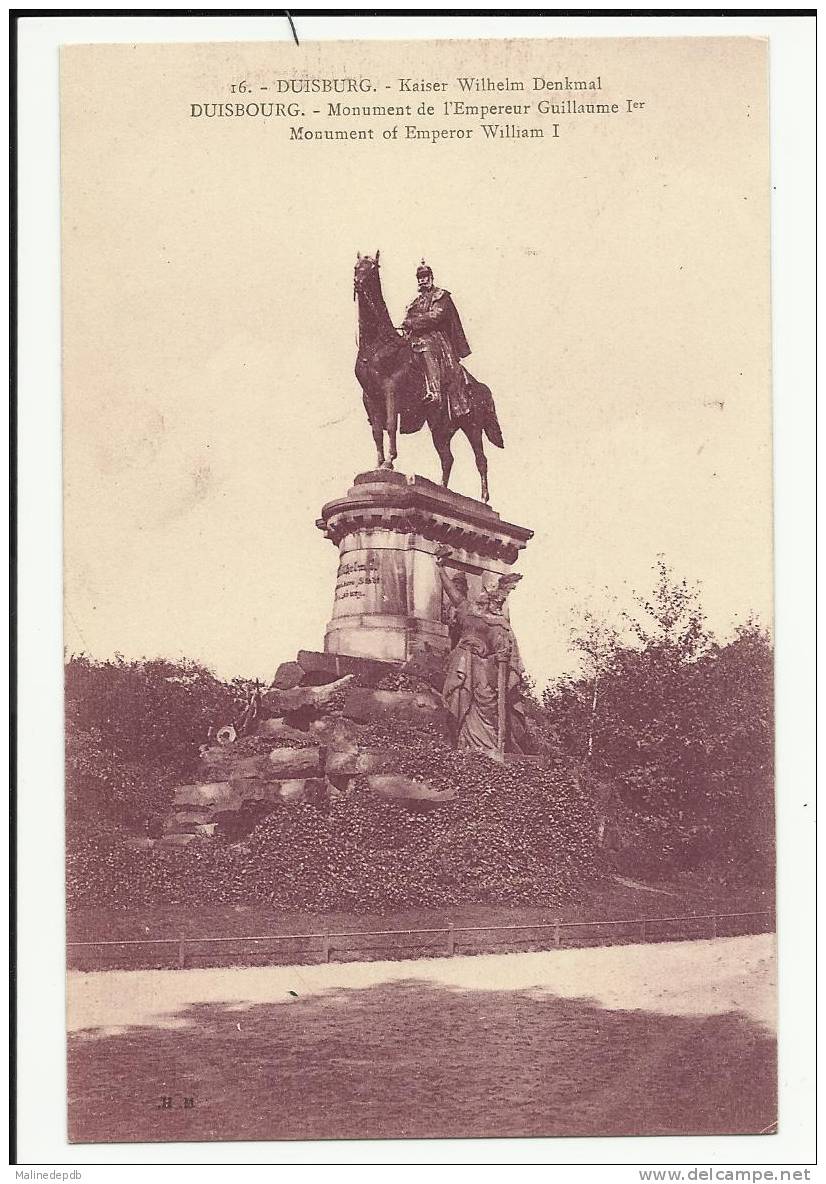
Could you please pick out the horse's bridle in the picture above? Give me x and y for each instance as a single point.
(360, 288)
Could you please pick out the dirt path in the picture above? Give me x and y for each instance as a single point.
(697, 978)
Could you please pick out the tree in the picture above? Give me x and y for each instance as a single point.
(596, 638)
(671, 620)
(133, 728)
(680, 723)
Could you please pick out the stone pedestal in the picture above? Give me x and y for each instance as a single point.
(388, 601)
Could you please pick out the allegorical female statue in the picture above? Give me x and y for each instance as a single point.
(483, 685)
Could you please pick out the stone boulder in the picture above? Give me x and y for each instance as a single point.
(277, 729)
(225, 796)
(351, 763)
(300, 789)
(287, 676)
(182, 840)
(300, 698)
(218, 795)
(416, 707)
(325, 667)
(226, 762)
(189, 821)
(203, 829)
(335, 733)
(294, 762)
(413, 795)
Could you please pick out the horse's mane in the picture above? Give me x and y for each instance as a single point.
(373, 302)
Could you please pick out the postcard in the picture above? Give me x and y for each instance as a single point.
(418, 589)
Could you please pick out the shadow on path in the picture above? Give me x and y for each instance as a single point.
(421, 1060)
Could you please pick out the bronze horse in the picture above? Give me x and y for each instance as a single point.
(394, 389)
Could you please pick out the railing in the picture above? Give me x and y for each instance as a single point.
(326, 938)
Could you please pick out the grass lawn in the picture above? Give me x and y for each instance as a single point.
(609, 900)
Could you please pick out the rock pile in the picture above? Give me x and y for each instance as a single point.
(315, 757)
(362, 804)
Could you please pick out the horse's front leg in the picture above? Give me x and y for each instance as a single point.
(378, 440)
(375, 413)
(391, 422)
(441, 441)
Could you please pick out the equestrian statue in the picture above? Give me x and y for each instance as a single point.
(415, 375)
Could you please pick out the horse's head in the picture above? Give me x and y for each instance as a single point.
(374, 319)
(365, 271)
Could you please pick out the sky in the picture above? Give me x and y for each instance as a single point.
(613, 284)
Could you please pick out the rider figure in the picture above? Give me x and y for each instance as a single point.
(432, 324)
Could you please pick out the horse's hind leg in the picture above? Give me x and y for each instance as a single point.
(474, 435)
(392, 425)
(441, 442)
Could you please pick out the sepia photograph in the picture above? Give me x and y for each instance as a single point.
(418, 589)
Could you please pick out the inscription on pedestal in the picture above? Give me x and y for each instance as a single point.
(388, 599)
(355, 576)
(371, 580)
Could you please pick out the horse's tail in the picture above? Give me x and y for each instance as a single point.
(491, 427)
(489, 418)
(484, 409)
